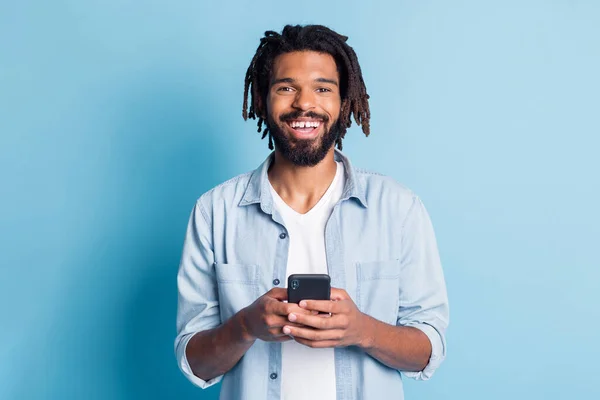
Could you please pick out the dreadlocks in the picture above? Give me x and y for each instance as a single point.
(355, 100)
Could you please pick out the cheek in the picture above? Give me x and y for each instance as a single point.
(277, 105)
(331, 105)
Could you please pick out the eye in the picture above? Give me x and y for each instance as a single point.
(285, 89)
(323, 90)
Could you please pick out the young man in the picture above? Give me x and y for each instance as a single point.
(306, 209)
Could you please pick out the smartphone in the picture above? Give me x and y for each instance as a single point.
(308, 287)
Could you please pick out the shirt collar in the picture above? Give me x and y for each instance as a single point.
(258, 190)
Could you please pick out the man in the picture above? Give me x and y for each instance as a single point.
(306, 209)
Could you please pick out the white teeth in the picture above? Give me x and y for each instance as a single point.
(304, 124)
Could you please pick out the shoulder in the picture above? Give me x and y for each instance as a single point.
(226, 193)
(377, 185)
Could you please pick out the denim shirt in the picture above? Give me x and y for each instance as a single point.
(380, 248)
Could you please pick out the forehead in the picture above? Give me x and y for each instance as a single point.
(304, 65)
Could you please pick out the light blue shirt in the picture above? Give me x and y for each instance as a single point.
(380, 248)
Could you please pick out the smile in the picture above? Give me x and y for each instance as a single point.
(304, 124)
(305, 128)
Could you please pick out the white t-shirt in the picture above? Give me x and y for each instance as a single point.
(308, 373)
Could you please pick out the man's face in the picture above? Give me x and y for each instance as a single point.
(303, 106)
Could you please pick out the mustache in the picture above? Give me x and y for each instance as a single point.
(299, 114)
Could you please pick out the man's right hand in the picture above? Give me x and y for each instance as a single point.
(213, 352)
(265, 318)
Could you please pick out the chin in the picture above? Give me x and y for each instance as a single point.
(303, 152)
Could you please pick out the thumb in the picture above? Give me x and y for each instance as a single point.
(339, 294)
(278, 294)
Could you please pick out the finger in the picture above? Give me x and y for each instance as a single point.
(278, 331)
(339, 294)
(278, 322)
(326, 306)
(313, 334)
(296, 309)
(283, 309)
(322, 321)
(318, 345)
(293, 307)
(277, 308)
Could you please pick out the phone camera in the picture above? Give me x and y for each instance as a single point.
(295, 284)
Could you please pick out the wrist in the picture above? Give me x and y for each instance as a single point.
(367, 337)
(243, 325)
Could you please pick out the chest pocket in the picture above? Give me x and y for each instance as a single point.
(378, 285)
(237, 287)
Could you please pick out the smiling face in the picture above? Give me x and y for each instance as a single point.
(303, 106)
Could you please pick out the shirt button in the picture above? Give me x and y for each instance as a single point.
(282, 236)
(276, 282)
(273, 375)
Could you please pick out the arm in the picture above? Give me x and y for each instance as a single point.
(213, 352)
(398, 347)
(423, 297)
(198, 302)
(416, 345)
(206, 347)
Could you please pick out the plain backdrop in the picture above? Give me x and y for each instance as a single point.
(116, 115)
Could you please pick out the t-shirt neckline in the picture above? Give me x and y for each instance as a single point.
(328, 193)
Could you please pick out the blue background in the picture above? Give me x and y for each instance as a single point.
(116, 115)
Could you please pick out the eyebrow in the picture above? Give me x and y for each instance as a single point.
(292, 80)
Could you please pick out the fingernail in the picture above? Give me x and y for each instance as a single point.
(292, 317)
(286, 330)
(302, 304)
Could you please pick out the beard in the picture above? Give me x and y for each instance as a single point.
(304, 152)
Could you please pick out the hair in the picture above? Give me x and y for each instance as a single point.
(355, 100)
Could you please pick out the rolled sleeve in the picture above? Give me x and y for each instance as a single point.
(184, 366)
(438, 353)
(423, 298)
(198, 301)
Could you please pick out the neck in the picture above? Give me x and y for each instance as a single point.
(302, 187)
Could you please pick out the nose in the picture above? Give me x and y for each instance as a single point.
(304, 100)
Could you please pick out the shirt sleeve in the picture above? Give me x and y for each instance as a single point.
(198, 304)
(423, 297)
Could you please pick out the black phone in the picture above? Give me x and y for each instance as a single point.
(308, 287)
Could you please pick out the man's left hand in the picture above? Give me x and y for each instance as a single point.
(342, 325)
